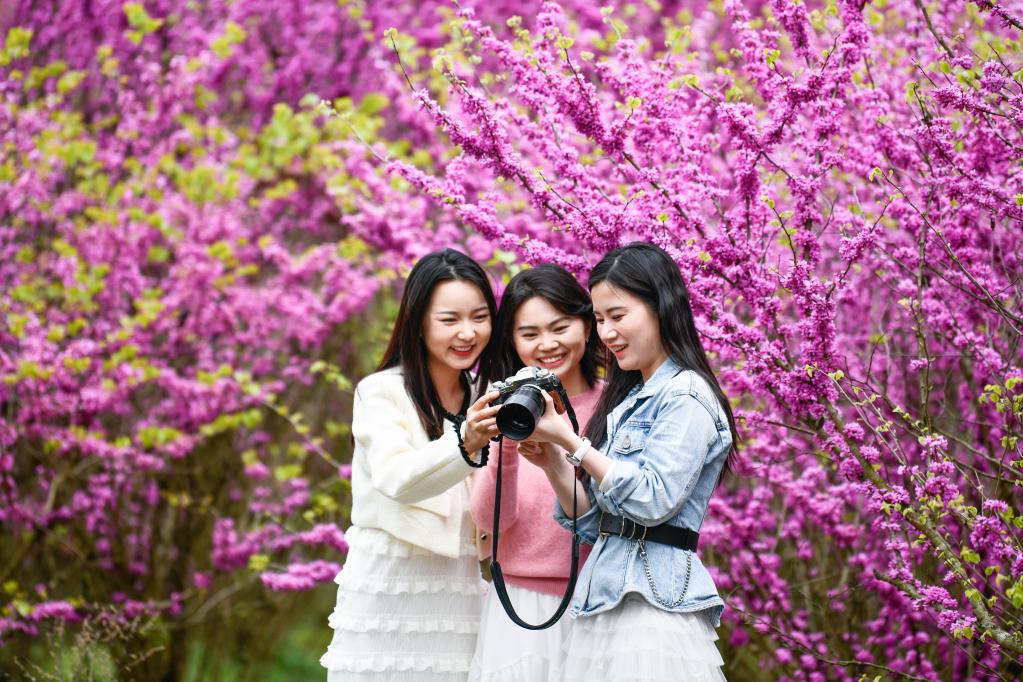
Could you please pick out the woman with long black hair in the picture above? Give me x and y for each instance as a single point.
(660, 437)
(409, 595)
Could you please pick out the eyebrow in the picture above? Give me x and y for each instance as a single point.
(558, 320)
(611, 310)
(478, 309)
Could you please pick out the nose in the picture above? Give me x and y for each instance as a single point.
(547, 341)
(466, 331)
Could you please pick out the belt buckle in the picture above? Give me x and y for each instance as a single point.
(633, 528)
(601, 533)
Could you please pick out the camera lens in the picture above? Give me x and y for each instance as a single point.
(517, 417)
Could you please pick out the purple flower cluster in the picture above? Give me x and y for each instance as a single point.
(195, 254)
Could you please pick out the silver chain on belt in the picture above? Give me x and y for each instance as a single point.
(650, 578)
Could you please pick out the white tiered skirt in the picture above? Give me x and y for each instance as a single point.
(506, 652)
(636, 641)
(403, 613)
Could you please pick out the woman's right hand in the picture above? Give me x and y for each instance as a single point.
(480, 422)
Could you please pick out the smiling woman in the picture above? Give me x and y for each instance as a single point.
(408, 598)
(654, 451)
(545, 320)
(456, 327)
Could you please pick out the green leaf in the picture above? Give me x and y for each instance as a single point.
(69, 81)
(286, 472)
(259, 562)
(969, 555)
(15, 45)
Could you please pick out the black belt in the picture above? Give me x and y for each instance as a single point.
(665, 534)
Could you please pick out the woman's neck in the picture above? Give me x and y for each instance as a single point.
(447, 383)
(575, 383)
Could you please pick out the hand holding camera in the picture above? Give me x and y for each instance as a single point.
(545, 456)
(523, 400)
(481, 422)
(552, 430)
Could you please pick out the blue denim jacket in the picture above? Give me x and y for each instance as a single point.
(669, 438)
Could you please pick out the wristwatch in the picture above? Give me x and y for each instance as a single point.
(576, 458)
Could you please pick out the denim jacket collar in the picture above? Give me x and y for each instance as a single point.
(666, 371)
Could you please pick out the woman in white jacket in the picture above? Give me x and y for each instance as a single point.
(409, 594)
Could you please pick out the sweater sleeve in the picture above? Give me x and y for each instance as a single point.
(484, 487)
(398, 469)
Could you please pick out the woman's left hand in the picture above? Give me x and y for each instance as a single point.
(552, 427)
(543, 455)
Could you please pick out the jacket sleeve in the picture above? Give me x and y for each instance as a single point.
(484, 486)
(587, 525)
(398, 469)
(651, 487)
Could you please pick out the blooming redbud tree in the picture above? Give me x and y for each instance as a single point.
(182, 243)
(197, 258)
(839, 185)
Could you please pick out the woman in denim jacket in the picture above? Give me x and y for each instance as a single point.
(654, 451)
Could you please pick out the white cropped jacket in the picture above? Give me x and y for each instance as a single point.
(403, 483)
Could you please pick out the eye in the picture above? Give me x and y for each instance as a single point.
(617, 317)
(561, 330)
(482, 318)
(529, 337)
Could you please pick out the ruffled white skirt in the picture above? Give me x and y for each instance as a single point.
(637, 641)
(403, 613)
(506, 652)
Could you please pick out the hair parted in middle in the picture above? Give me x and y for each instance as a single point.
(564, 292)
(406, 347)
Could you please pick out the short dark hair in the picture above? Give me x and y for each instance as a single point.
(407, 348)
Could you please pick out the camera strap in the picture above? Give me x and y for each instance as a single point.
(495, 567)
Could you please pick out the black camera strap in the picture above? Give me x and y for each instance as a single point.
(495, 567)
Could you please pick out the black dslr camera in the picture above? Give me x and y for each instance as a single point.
(522, 402)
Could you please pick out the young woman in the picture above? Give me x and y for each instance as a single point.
(409, 594)
(545, 320)
(655, 449)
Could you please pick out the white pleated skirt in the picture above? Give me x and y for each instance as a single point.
(637, 642)
(506, 652)
(403, 614)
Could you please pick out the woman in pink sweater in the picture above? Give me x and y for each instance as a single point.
(545, 320)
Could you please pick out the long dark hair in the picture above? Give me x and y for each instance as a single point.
(558, 287)
(407, 348)
(647, 272)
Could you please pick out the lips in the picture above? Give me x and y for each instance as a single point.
(552, 361)
(463, 351)
(618, 350)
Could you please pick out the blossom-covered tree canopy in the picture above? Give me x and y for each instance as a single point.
(206, 209)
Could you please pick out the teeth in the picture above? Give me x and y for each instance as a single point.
(461, 350)
(551, 360)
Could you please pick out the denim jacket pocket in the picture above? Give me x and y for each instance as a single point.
(630, 439)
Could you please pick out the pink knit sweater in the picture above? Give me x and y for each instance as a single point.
(534, 551)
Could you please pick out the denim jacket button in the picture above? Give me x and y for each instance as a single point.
(626, 444)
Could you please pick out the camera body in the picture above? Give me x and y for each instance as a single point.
(522, 401)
